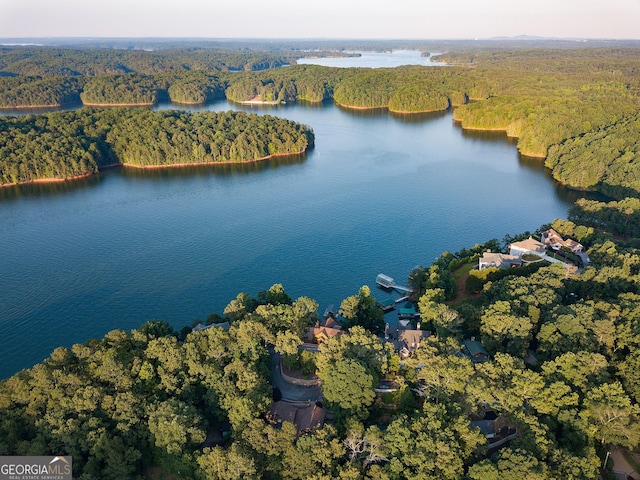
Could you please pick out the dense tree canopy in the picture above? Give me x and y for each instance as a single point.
(575, 107)
(149, 397)
(562, 376)
(67, 144)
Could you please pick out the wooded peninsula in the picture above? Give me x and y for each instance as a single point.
(528, 372)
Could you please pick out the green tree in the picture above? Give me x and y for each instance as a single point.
(509, 464)
(233, 464)
(610, 417)
(348, 387)
(446, 321)
(176, 426)
(362, 310)
(503, 331)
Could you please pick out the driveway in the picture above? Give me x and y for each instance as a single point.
(621, 465)
(290, 391)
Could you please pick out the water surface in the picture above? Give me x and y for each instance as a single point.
(396, 58)
(378, 193)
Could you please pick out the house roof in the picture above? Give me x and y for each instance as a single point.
(408, 311)
(529, 244)
(199, 327)
(496, 259)
(319, 333)
(309, 417)
(491, 258)
(412, 338)
(475, 350)
(331, 322)
(283, 411)
(572, 244)
(551, 236)
(406, 341)
(304, 418)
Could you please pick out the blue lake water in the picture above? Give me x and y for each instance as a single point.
(378, 193)
(396, 58)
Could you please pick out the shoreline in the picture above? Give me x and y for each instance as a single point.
(119, 104)
(149, 167)
(19, 107)
(352, 107)
(49, 180)
(506, 132)
(198, 164)
(258, 102)
(405, 112)
(400, 112)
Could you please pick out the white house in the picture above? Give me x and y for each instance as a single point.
(529, 245)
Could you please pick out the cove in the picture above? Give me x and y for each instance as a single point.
(378, 193)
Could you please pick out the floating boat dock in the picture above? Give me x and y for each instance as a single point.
(389, 283)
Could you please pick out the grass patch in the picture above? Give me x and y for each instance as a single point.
(460, 275)
(462, 272)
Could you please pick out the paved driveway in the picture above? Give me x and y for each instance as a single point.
(620, 464)
(291, 392)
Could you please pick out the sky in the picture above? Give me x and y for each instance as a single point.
(385, 19)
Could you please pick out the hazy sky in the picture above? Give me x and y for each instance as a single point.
(320, 18)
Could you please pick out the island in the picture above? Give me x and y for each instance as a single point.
(69, 145)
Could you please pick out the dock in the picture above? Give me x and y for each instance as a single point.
(387, 305)
(389, 283)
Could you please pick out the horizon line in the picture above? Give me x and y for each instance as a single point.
(522, 37)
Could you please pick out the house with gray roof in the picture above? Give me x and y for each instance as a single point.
(406, 341)
(498, 260)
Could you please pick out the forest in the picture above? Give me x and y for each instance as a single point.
(63, 145)
(562, 376)
(558, 102)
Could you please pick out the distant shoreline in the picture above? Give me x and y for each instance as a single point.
(49, 180)
(401, 112)
(353, 107)
(497, 129)
(17, 107)
(253, 101)
(149, 167)
(147, 104)
(197, 164)
(405, 112)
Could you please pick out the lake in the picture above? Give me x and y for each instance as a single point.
(379, 193)
(396, 58)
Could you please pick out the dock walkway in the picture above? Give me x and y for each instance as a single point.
(389, 283)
